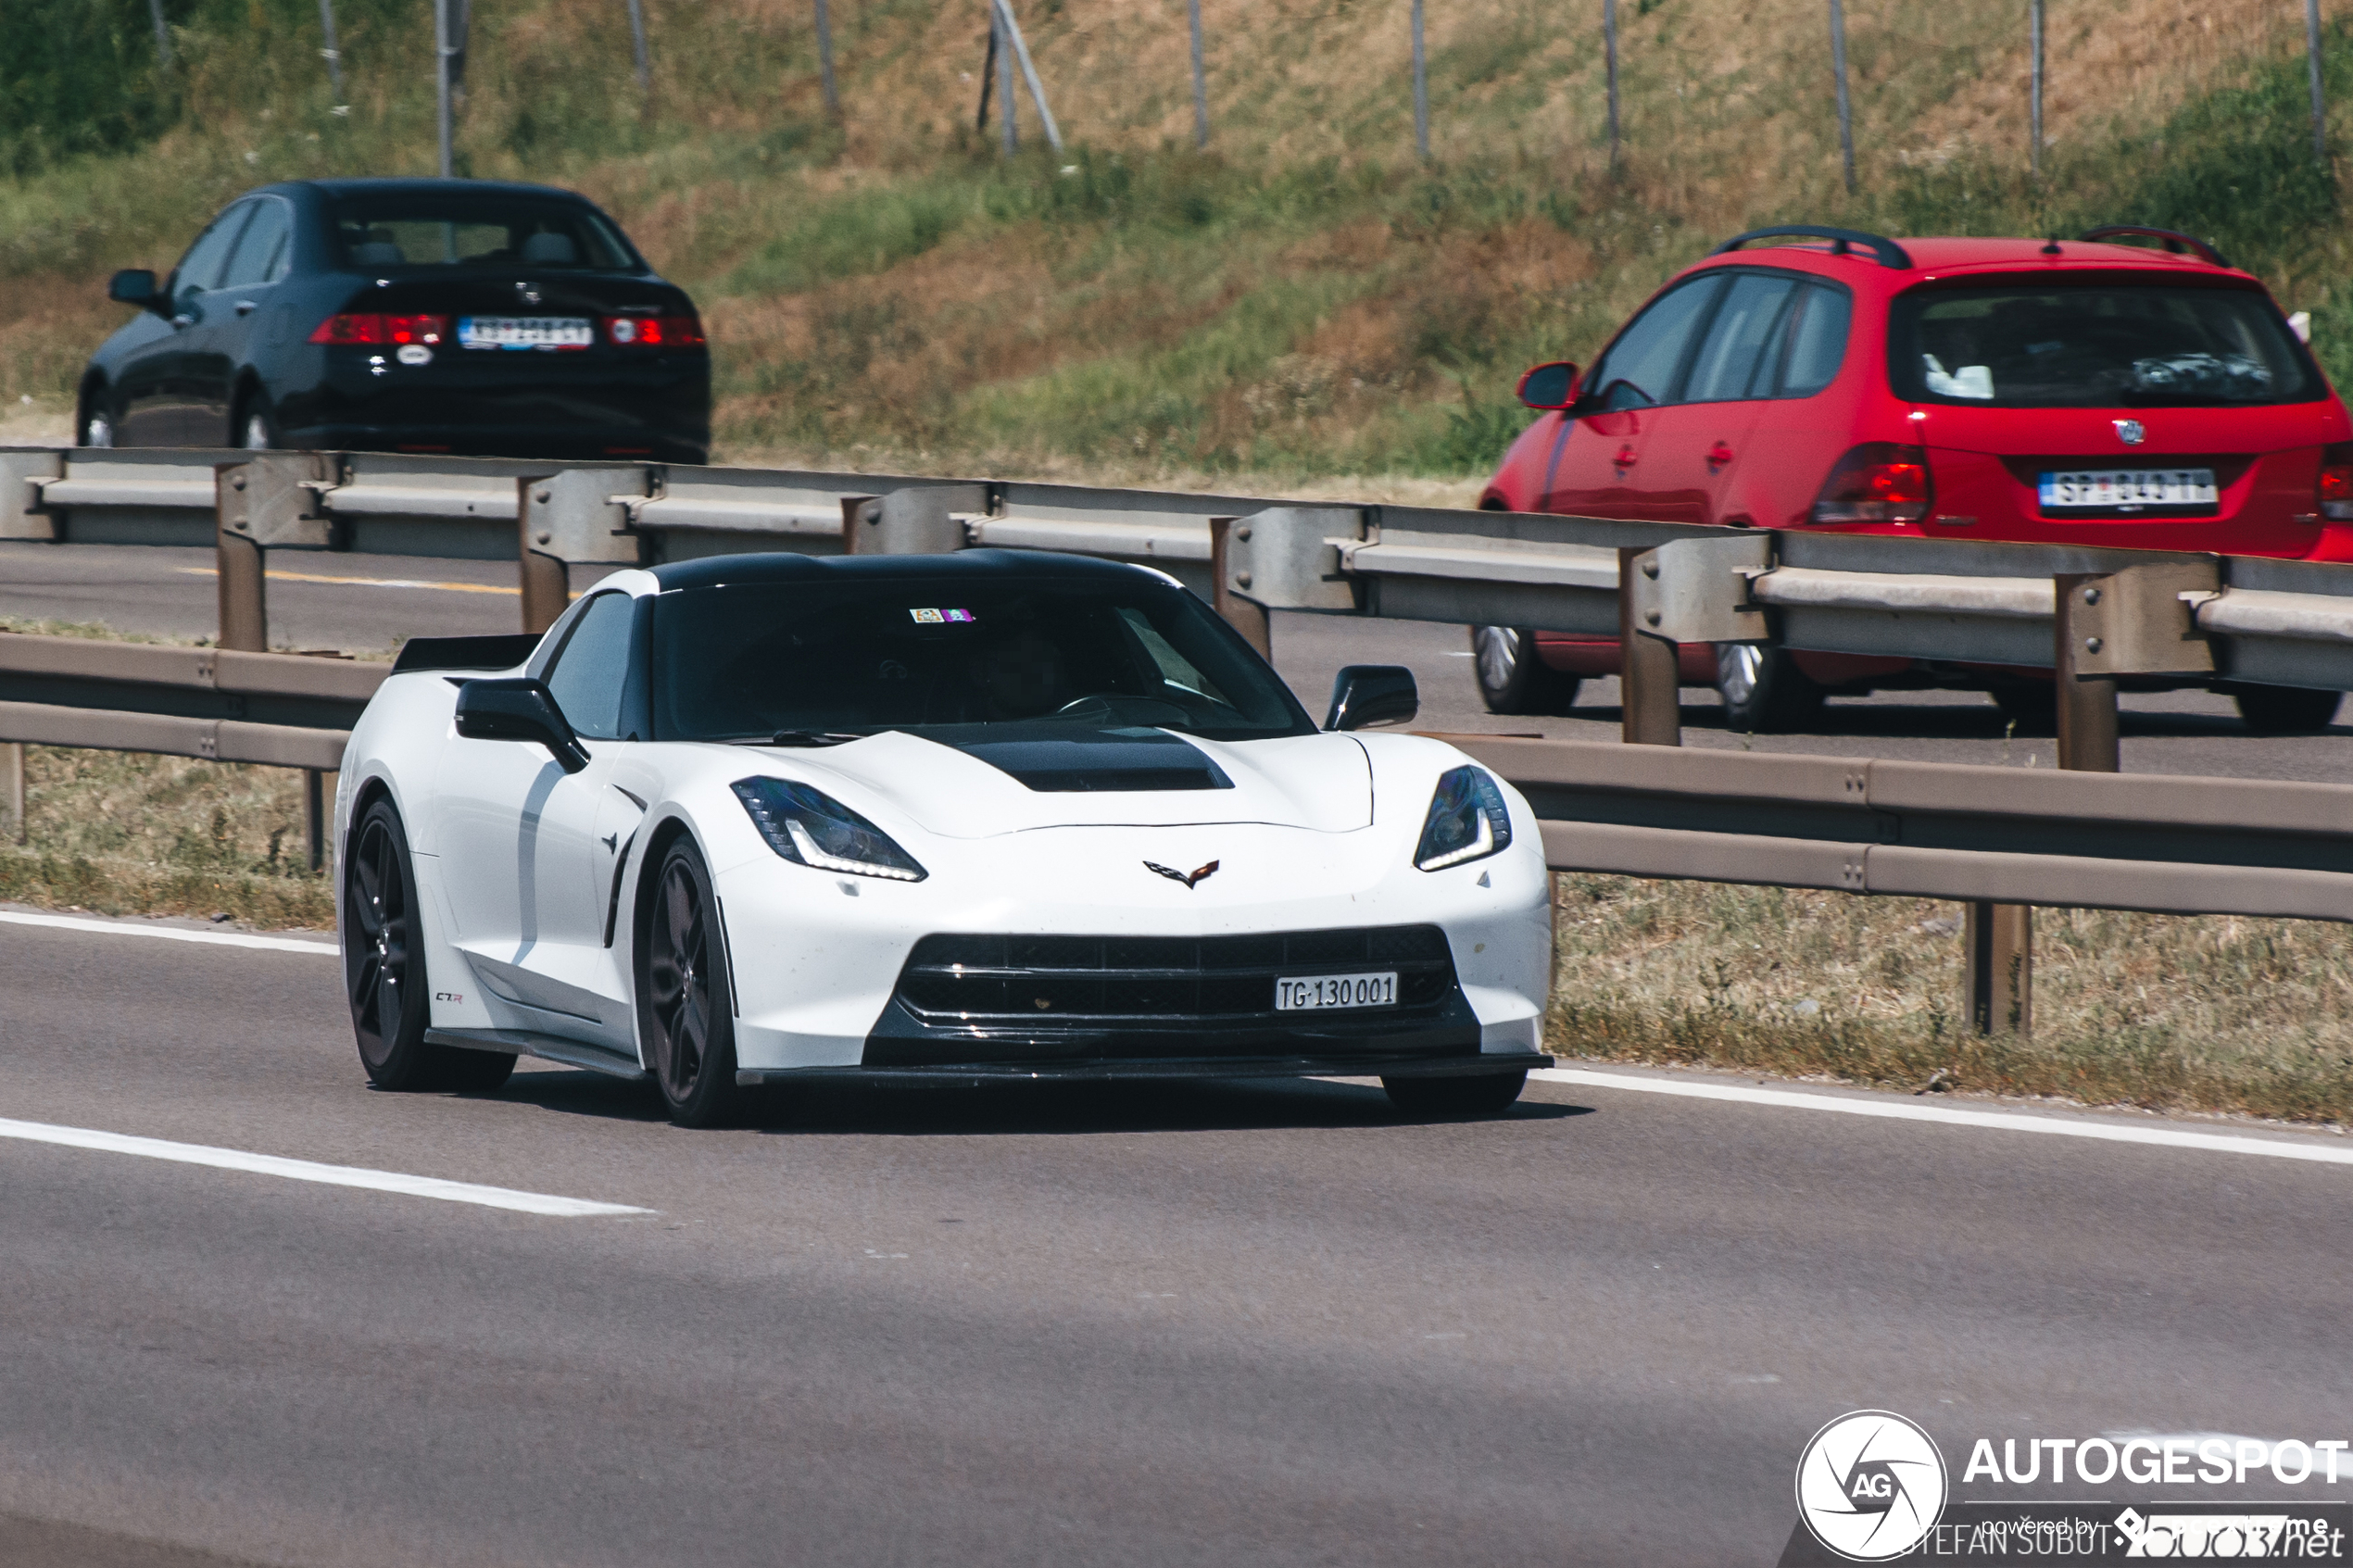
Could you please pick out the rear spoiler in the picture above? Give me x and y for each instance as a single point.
(465, 653)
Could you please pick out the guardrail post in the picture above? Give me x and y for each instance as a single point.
(1288, 557)
(1684, 591)
(314, 818)
(21, 513)
(2087, 739)
(577, 515)
(12, 789)
(924, 520)
(1998, 968)
(1254, 622)
(1649, 683)
(269, 502)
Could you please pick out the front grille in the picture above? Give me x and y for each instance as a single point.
(1034, 983)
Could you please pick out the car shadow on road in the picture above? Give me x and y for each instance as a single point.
(941, 1111)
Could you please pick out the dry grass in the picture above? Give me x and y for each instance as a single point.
(2206, 1013)
(116, 833)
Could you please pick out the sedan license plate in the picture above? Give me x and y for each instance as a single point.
(1323, 993)
(2129, 488)
(524, 332)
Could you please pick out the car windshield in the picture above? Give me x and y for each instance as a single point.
(2109, 346)
(432, 228)
(819, 661)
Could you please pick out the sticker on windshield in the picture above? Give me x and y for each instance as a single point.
(941, 617)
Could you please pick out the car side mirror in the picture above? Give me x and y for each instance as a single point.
(1549, 386)
(519, 709)
(132, 285)
(1373, 693)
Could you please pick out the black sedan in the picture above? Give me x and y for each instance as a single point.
(457, 316)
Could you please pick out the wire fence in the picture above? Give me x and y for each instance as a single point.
(1010, 66)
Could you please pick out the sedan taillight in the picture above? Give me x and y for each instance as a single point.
(2336, 481)
(654, 332)
(1878, 482)
(371, 329)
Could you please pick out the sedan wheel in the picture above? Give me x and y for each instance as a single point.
(1512, 679)
(683, 994)
(1763, 690)
(384, 968)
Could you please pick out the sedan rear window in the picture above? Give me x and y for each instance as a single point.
(2109, 346)
(750, 661)
(395, 230)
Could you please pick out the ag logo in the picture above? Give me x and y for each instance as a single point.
(1870, 1485)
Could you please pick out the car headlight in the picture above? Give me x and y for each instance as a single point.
(1467, 822)
(815, 830)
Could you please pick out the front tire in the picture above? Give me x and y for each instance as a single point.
(683, 994)
(2286, 711)
(1513, 678)
(1482, 1094)
(1763, 690)
(384, 968)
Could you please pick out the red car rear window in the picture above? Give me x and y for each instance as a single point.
(2105, 345)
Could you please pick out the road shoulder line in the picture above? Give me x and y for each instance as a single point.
(169, 932)
(2290, 1148)
(312, 1171)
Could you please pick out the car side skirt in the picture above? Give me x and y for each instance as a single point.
(547, 1047)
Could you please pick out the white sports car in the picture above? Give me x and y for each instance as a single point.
(765, 819)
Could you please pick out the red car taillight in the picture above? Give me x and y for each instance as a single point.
(2336, 481)
(654, 332)
(372, 328)
(1878, 482)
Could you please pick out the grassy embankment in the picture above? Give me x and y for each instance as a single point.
(1305, 305)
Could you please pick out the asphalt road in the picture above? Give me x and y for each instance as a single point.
(366, 602)
(1218, 1324)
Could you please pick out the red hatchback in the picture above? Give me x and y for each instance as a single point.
(2084, 392)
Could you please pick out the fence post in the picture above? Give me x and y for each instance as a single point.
(1001, 45)
(441, 78)
(12, 789)
(333, 54)
(1421, 89)
(2320, 108)
(1649, 683)
(1200, 79)
(1609, 56)
(1998, 963)
(637, 45)
(163, 33)
(2035, 109)
(1845, 111)
(1029, 74)
(825, 63)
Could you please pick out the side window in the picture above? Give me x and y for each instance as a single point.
(260, 256)
(591, 671)
(1817, 341)
(200, 269)
(1736, 341)
(1641, 366)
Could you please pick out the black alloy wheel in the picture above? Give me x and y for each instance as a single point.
(683, 996)
(1479, 1094)
(2284, 710)
(384, 968)
(1512, 678)
(1763, 690)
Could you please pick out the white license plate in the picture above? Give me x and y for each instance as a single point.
(2129, 488)
(1322, 992)
(525, 332)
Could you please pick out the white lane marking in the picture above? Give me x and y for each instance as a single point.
(2002, 1121)
(312, 1171)
(169, 932)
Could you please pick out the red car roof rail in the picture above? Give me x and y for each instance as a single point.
(2172, 241)
(1885, 251)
